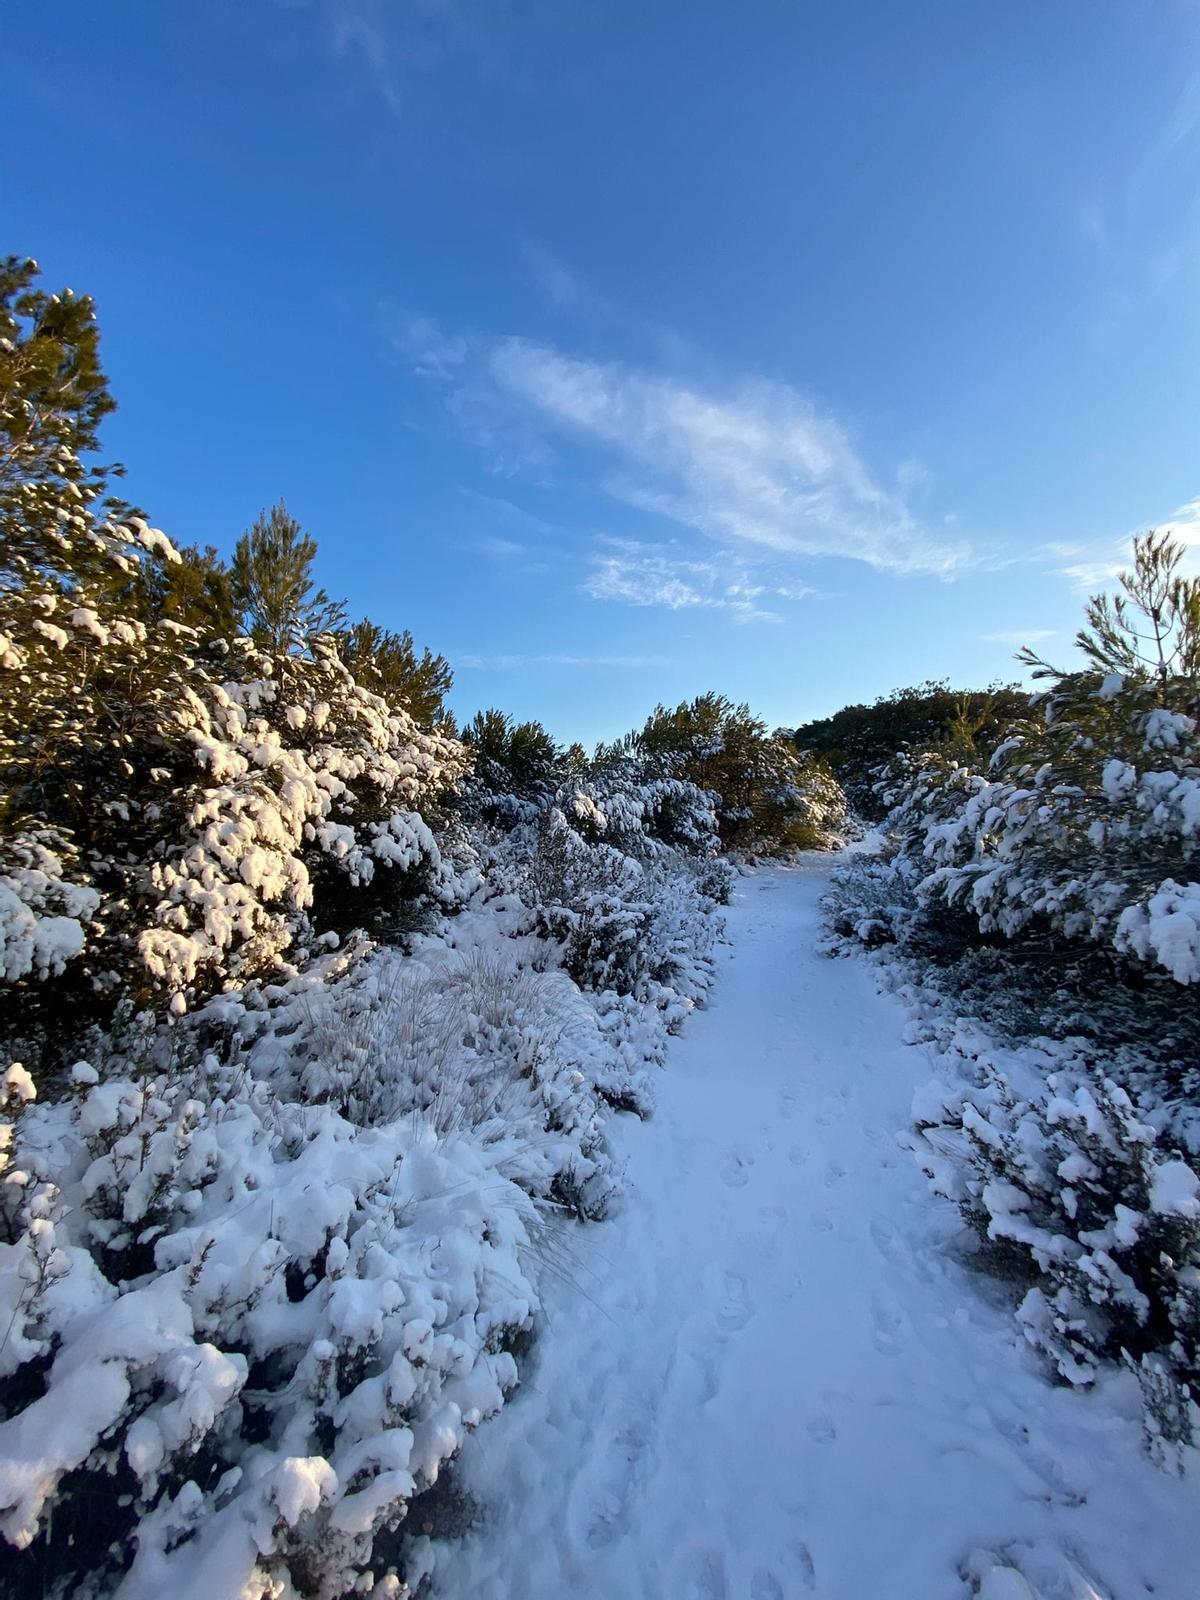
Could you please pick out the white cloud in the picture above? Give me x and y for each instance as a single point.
(508, 663)
(657, 575)
(508, 512)
(433, 354)
(758, 466)
(501, 549)
(1090, 568)
(1018, 636)
(392, 41)
(1184, 523)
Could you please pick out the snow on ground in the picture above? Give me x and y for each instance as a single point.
(774, 1376)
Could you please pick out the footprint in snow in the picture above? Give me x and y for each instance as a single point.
(799, 1573)
(821, 1429)
(888, 1324)
(805, 1571)
(765, 1585)
(834, 1173)
(735, 1311)
(608, 1512)
(693, 1376)
(1038, 1460)
(884, 1240)
(704, 1576)
(736, 1171)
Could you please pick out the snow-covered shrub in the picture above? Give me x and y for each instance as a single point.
(1086, 822)
(769, 797)
(871, 900)
(624, 804)
(470, 1034)
(252, 1331)
(635, 925)
(269, 1252)
(515, 769)
(308, 800)
(860, 741)
(212, 796)
(43, 912)
(1088, 827)
(1053, 1161)
(714, 880)
(285, 794)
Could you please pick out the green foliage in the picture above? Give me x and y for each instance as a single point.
(512, 758)
(72, 721)
(53, 397)
(1084, 824)
(859, 740)
(196, 591)
(770, 797)
(178, 800)
(387, 664)
(1149, 633)
(273, 585)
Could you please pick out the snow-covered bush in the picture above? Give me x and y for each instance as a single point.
(253, 1331)
(860, 741)
(271, 1249)
(469, 1032)
(1053, 1161)
(212, 796)
(1050, 891)
(515, 769)
(870, 899)
(310, 801)
(769, 797)
(636, 925)
(1085, 822)
(285, 794)
(44, 913)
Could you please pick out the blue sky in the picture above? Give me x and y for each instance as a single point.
(626, 350)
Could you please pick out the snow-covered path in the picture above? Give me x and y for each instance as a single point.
(778, 1379)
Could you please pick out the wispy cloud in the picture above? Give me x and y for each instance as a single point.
(1184, 523)
(1091, 567)
(508, 663)
(657, 575)
(433, 353)
(758, 466)
(489, 544)
(564, 289)
(391, 40)
(509, 513)
(1016, 637)
(759, 477)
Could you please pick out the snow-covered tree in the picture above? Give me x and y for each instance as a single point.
(388, 664)
(273, 586)
(770, 796)
(1087, 819)
(177, 806)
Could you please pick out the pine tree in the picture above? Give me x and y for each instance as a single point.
(53, 397)
(518, 758)
(1148, 632)
(273, 586)
(1083, 819)
(770, 797)
(196, 591)
(387, 664)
